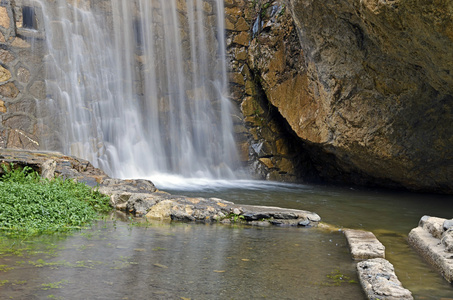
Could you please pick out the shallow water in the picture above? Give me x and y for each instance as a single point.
(181, 261)
(389, 215)
(121, 260)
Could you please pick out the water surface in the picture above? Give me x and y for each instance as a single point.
(390, 215)
(120, 260)
(180, 261)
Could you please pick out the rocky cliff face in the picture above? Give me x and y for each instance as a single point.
(381, 88)
(367, 86)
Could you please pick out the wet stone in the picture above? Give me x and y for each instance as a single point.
(378, 280)
(141, 198)
(434, 244)
(364, 244)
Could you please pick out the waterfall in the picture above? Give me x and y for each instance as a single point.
(140, 86)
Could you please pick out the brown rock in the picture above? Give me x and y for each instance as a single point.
(4, 18)
(5, 75)
(243, 39)
(267, 162)
(19, 139)
(9, 90)
(6, 56)
(236, 77)
(20, 43)
(249, 107)
(2, 107)
(239, 25)
(369, 90)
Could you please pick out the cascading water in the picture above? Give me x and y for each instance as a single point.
(140, 86)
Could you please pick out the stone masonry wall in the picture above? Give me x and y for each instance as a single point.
(21, 74)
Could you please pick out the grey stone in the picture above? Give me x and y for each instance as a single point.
(364, 244)
(447, 240)
(433, 250)
(304, 223)
(448, 224)
(434, 225)
(378, 280)
(139, 204)
(48, 169)
(38, 90)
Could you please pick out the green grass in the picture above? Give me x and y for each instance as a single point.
(32, 205)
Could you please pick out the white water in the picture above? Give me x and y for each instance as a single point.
(139, 87)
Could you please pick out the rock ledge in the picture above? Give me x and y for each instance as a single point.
(433, 239)
(141, 198)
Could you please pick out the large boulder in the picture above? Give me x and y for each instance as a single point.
(376, 90)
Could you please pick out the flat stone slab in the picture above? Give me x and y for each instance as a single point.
(434, 242)
(378, 280)
(364, 244)
(141, 198)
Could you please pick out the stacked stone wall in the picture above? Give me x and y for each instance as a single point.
(22, 73)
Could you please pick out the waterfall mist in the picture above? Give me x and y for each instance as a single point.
(140, 87)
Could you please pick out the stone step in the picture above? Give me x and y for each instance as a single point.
(378, 280)
(437, 251)
(364, 244)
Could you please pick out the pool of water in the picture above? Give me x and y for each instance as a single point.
(119, 260)
(122, 259)
(390, 215)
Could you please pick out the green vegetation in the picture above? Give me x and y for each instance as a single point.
(336, 278)
(53, 285)
(31, 205)
(235, 218)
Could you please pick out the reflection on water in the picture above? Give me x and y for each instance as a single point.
(389, 215)
(182, 261)
(117, 260)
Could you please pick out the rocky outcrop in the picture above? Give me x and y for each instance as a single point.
(366, 86)
(379, 90)
(261, 34)
(141, 198)
(433, 239)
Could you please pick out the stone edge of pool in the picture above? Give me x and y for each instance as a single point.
(140, 197)
(433, 240)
